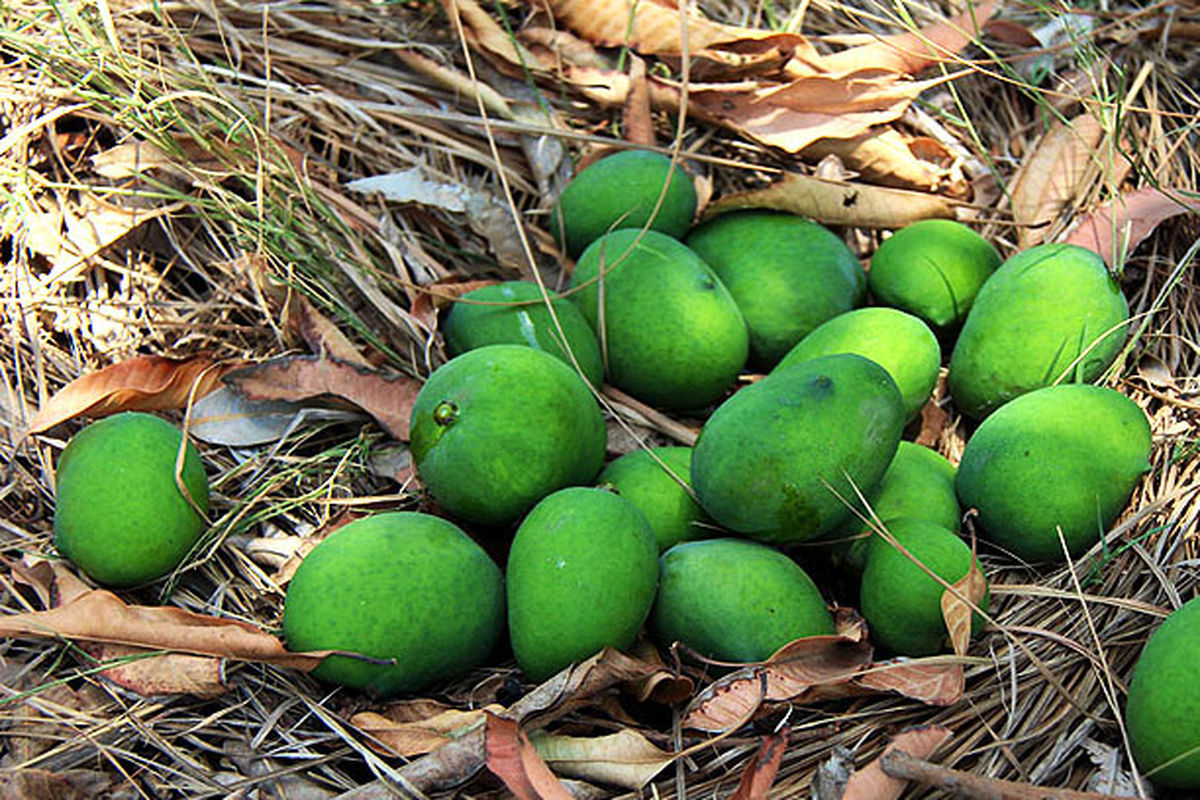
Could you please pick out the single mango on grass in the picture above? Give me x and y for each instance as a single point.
(644, 480)
(1061, 458)
(933, 269)
(500, 427)
(582, 574)
(403, 586)
(1163, 712)
(786, 273)
(735, 600)
(783, 459)
(901, 602)
(514, 312)
(1051, 313)
(623, 190)
(670, 332)
(896, 341)
(119, 513)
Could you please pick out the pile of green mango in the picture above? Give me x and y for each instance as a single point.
(699, 545)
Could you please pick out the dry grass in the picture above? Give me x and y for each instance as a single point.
(271, 110)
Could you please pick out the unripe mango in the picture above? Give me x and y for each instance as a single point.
(1064, 457)
(781, 460)
(1047, 314)
(641, 479)
(735, 600)
(582, 574)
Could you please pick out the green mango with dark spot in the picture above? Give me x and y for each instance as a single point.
(783, 459)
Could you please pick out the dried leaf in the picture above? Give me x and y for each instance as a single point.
(1052, 175)
(626, 758)
(836, 203)
(70, 234)
(662, 685)
(872, 783)
(937, 683)
(761, 771)
(31, 783)
(1011, 33)
(100, 616)
(227, 418)
(321, 335)
(151, 674)
(637, 124)
(513, 759)
(409, 736)
(571, 688)
(298, 378)
(1120, 225)
(909, 53)
(959, 602)
(882, 156)
(787, 676)
(934, 417)
(439, 295)
(143, 383)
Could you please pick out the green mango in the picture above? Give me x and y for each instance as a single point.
(1163, 713)
(900, 601)
(514, 312)
(669, 508)
(933, 269)
(119, 515)
(399, 585)
(1048, 314)
(919, 484)
(500, 427)
(1064, 457)
(787, 274)
(735, 600)
(782, 459)
(622, 191)
(582, 574)
(896, 341)
(672, 335)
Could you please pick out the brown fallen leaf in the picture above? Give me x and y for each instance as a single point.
(1052, 176)
(841, 203)
(435, 297)
(410, 729)
(512, 759)
(32, 783)
(789, 675)
(295, 378)
(909, 53)
(151, 674)
(662, 685)
(1124, 222)
(883, 156)
(142, 383)
(872, 783)
(959, 603)
(319, 333)
(760, 773)
(934, 682)
(637, 124)
(100, 616)
(625, 758)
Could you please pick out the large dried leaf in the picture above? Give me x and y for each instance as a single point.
(872, 783)
(625, 758)
(959, 602)
(885, 156)
(297, 378)
(512, 758)
(227, 418)
(1120, 225)
(151, 674)
(95, 615)
(930, 681)
(760, 772)
(143, 383)
(321, 335)
(841, 203)
(909, 53)
(408, 734)
(787, 676)
(662, 685)
(1052, 176)
(653, 28)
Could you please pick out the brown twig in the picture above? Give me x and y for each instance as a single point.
(900, 764)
